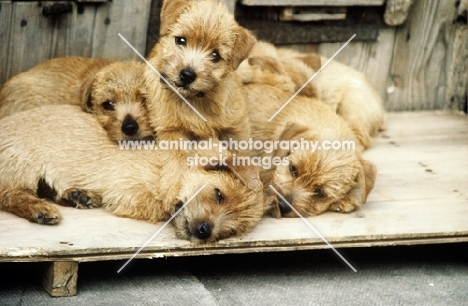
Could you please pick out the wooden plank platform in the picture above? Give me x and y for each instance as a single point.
(420, 197)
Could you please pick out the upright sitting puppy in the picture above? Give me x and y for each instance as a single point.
(200, 47)
(113, 91)
(73, 162)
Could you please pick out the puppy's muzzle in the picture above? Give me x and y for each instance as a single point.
(129, 126)
(187, 76)
(283, 206)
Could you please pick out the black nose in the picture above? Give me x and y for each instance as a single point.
(187, 76)
(129, 126)
(203, 231)
(284, 206)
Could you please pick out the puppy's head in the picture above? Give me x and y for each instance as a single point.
(200, 43)
(116, 95)
(321, 180)
(230, 204)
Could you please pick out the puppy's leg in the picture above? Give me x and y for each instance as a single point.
(25, 204)
(80, 198)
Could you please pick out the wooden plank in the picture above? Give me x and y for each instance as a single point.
(80, 35)
(60, 27)
(457, 82)
(313, 2)
(420, 61)
(28, 31)
(296, 33)
(128, 17)
(409, 205)
(153, 25)
(5, 21)
(60, 278)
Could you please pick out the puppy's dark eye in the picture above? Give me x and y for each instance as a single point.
(180, 41)
(319, 193)
(108, 105)
(219, 196)
(216, 57)
(293, 170)
(179, 205)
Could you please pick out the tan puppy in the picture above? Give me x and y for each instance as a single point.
(353, 98)
(314, 180)
(344, 89)
(72, 160)
(113, 91)
(200, 47)
(284, 68)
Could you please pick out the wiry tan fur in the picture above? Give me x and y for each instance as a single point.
(113, 91)
(52, 149)
(207, 27)
(313, 182)
(344, 89)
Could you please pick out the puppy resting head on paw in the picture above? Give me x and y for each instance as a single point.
(116, 95)
(230, 204)
(324, 180)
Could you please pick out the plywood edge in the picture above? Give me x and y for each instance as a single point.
(257, 247)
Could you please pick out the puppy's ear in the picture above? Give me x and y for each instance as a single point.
(243, 44)
(366, 178)
(291, 130)
(249, 175)
(265, 64)
(312, 60)
(272, 207)
(85, 94)
(170, 12)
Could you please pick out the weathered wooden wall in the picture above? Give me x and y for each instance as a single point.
(90, 30)
(419, 65)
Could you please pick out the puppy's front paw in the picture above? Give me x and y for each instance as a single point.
(79, 198)
(45, 214)
(342, 207)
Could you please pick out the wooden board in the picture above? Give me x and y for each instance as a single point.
(421, 196)
(312, 2)
(90, 30)
(5, 17)
(422, 57)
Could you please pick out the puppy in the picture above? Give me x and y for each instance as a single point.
(284, 68)
(73, 162)
(313, 180)
(200, 47)
(344, 89)
(113, 91)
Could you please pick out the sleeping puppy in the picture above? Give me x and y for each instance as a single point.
(324, 170)
(344, 89)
